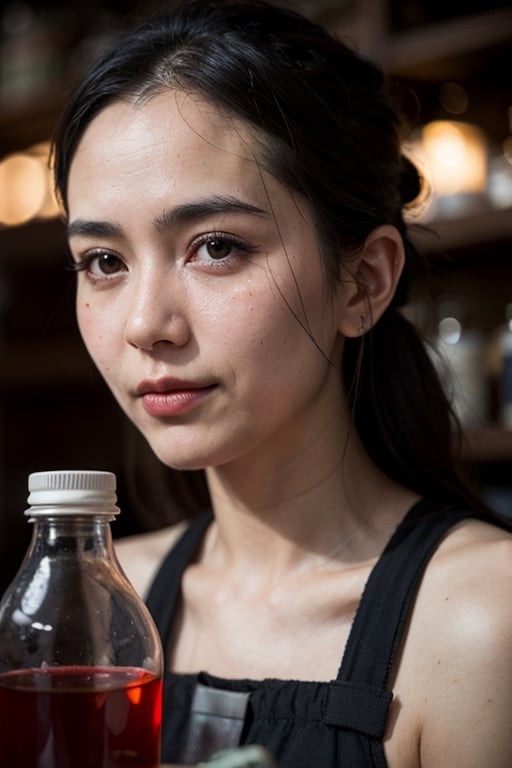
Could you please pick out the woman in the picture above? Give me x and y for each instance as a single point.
(234, 191)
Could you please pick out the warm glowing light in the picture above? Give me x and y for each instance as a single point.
(26, 189)
(23, 188)
(49, 207)
(456, 157)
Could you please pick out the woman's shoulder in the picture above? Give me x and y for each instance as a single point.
(141, 555)
(469, 576)
(475, 551)
(456, 668)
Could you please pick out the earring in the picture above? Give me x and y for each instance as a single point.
(362, 321)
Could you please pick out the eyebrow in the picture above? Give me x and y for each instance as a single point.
(181, 214)
(170, 218)
(99, 228)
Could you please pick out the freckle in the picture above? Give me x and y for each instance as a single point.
(489, 701)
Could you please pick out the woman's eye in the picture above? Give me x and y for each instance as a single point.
(220, 248)
(99, 264)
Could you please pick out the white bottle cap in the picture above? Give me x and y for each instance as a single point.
(62, 492)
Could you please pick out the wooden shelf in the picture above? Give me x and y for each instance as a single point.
(431, 51)
(485, 226)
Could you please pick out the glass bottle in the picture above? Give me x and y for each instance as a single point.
(80, 658)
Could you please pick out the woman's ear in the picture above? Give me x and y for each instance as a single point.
(367, 290)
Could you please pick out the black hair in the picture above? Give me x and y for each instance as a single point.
(332, 134)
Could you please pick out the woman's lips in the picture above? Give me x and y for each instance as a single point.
(171, 398)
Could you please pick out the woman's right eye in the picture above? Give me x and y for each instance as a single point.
(99, 264)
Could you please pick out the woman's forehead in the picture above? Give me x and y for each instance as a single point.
(173, 140)
(169, 119)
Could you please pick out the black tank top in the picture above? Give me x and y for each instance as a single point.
(303, 724)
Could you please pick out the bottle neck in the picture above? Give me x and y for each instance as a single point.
(80, 534)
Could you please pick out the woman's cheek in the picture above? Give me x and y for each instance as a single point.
(83, 318)
(86, 321)
(91, 330)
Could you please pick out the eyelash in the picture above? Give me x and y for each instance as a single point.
(83, 264)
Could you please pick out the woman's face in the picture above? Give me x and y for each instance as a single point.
(201, 295)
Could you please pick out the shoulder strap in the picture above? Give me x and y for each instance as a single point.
(384, 608)
(164, 591)
(359, 699)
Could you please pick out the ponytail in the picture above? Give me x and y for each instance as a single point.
(401, 411)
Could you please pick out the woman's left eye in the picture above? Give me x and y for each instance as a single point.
(219, 248)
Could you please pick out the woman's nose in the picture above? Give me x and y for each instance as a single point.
(155, 314)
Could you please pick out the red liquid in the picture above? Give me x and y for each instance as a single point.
(80, 717)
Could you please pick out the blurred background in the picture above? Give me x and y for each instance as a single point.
(452, 62)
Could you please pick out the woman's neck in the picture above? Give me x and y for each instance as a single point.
(328, 502)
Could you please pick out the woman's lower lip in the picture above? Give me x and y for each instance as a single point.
(175, 402)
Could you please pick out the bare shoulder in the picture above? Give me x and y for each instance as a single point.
(141, 555)
(457, 662)
(471, 572)
(473, 567)
(469, 586)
